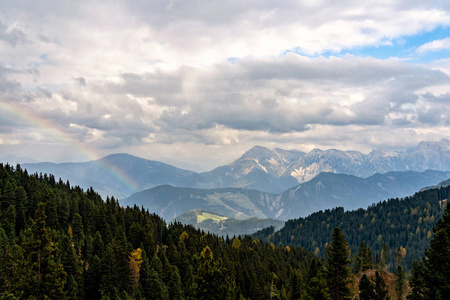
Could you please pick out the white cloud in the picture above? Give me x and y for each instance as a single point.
(436, 45)
(151, 78)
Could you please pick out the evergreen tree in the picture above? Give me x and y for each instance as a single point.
(8, 196)
(9, 222)
(437, 262)
(416, 282)
(366, 289)
(92, 279)
(8, 296)
(77, 228)
(367, 260)
(5, 262)
(122, 264)
(359, 259)
(70, 263)
(43, 277)
(337, 267)
(72, 288)
(384, 258)
(295, 284)
(21, 200)
(400, 283)
(211, 278)
(317, 288)
(380, 287)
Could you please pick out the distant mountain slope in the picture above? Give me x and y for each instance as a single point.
(272, 171)
(277, 170)
(223, 226)
(259, 168)
(407, 223)
(170, 202)
(14, 160)
(327, 190)
(117, 174)
(426, 155)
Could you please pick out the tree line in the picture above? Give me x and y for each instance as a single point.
(406, 223)
(61, 242)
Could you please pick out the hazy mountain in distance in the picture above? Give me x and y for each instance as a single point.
(272, 171)
(119, 175)
(277, 170)
(259, 168)
(327, 190)
(169, 202)
(14, 160)
(426, 155)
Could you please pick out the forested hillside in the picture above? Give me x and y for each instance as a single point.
(60, 242)
(405, 223)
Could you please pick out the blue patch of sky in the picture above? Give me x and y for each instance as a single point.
(232, 59)
(403, 48)
(43, 61)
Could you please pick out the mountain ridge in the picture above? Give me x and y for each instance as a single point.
(259, 168)
(325, 191)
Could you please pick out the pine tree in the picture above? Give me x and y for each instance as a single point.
(110, 276)
(416, 282)
(437, 262)
(380, 287)
(367, 260)
(384, 258)
(5, 262)
(359, 259)
(8, 196)
(366, 289)
(70, 263)
(92, 279)
(9, 221)
(43, 277)
(295, 284)
(77, 228)
(337, 266)
(400, 283)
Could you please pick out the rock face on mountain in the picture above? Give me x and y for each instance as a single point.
(259, 168)
(277, 170)
(118, 174)
(426, 155)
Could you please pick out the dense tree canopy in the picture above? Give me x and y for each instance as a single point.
(406, 223)
(60, 242)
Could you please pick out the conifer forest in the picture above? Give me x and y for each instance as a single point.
(61, 242)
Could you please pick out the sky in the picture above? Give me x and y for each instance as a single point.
(197, 83)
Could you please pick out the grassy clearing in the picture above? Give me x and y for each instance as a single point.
(205, 216)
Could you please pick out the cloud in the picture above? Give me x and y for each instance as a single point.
(81, 81)
(436, 45)
(11, 34)
(160, 75)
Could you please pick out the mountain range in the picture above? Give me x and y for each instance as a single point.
(326, 190)
(277, 170)
(118, 175)
(272, 171)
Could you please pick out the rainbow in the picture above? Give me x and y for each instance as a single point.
(31, 118)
